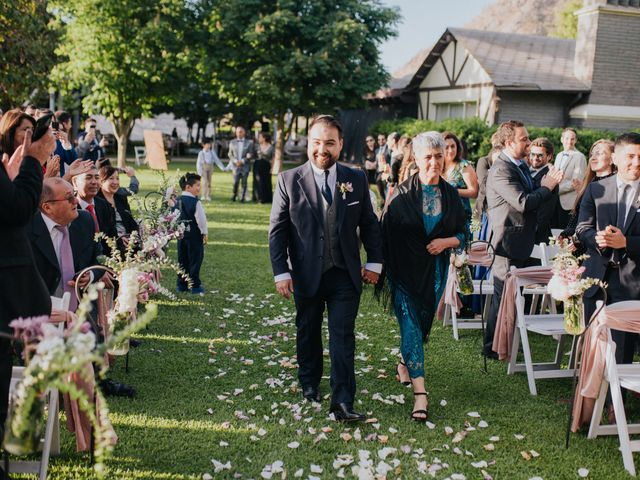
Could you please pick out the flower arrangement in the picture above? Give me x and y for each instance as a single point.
(345, 188)
(568, 286)
(56, 355)
(460, 261)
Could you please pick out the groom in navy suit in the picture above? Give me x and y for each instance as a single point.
(315, 254)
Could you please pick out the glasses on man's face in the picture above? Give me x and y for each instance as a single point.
(69, 198)
(536, 155)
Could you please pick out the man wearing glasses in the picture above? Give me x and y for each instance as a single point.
(62, 240)
(539, 158)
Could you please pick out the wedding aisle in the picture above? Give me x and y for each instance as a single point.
(217, 397)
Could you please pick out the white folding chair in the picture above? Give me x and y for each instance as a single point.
(51, 440)
(549, 325)
(545, 254)
(141, 155)
(617, 377)
(450, 317)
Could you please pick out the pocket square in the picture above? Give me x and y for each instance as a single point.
(353, 203)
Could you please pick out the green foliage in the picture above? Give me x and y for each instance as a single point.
(126, 56)
(306, 56)
(566, 23)
(477, 134)
(26, 49)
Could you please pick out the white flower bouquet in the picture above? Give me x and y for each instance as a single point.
(460, 261)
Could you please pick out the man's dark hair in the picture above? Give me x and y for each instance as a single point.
(189, 179)
(90, 119)
(545, 143)
(630, 138)
(507, 131)
(62, 116)
(329, 120)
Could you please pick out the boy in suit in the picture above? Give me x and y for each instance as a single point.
(191, 245)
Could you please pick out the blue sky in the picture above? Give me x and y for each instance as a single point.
(423, 21)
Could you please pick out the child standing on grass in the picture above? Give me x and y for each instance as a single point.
(191, 245)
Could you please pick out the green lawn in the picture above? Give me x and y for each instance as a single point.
(216, 380)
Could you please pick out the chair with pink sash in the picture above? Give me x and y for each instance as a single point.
(599, 372)
(513, 327)
(480, 254)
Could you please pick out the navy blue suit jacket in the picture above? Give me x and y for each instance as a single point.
(296, 231)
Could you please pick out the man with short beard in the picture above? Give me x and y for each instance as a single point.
(539, 158)
(315, 255)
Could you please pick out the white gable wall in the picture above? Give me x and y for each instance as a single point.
(473, 84)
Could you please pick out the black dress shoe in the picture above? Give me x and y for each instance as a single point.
(311, 393)
(115, 389)
(343, 412)
(490, 355)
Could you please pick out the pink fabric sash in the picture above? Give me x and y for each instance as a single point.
(505, 323)
(478, 255)
(624, 316)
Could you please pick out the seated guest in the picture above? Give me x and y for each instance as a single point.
(87, 186)
(423, 220)
(110, 191)
(64, 148)
(134, 183)
(539, 158)
(90, 145)
(512, 204)
(13, 128)
(600, 167)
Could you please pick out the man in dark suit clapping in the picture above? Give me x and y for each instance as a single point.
(539, 158)
(315, 255)
(512, 202)
(609, 227)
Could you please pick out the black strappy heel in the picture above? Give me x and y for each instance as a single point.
(398, 374)
(421, 412)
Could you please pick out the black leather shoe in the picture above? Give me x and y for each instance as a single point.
(116, 389)
(490, 355)
(311, 393)
(343, 412)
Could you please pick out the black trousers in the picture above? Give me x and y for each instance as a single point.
(190, 256)
(501, 267)
(342, 300)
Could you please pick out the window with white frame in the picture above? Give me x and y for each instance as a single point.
(455, 110)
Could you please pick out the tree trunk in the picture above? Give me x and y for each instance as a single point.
(279, 149)
(122, 127)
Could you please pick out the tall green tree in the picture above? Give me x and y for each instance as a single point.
(126, 56)
(305, 56)
(26, 49)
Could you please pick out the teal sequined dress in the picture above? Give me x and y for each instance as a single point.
(456, 179)
(407, 311)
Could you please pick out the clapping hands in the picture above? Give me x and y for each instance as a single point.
(553, 178)
(611, 237)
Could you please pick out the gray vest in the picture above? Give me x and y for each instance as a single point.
(332, 255)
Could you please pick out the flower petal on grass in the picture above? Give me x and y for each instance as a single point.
(583, 472)
(473, 414)
(293, 444)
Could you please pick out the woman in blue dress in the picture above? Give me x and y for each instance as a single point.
(423, 220)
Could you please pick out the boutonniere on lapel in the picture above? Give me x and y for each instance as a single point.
(345, 188)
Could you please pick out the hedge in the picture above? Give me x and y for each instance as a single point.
(477, 134)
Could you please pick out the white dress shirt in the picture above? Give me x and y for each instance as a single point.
(632, 193)
(208, 158)
(84, 204)
(54, 233)
(319, 176)
(201, 217)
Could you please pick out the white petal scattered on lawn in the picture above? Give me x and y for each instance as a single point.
(526, 455)
(430, 425)
(583, 473)
(458, 437)
(519, 436)
(473, 414)
(482, 424)
(383, 453)
(315, 468)
(458, 476)
(383, 438)
(489, 447)
(534, 454)
(207, 476)
(448, 430)
(406, 449)
(293, 444)
(443, 403)
(382, 469)
(299, 473)
(219, 466)
(223, 443)
(494, 439)
(485, 475)
(393, 430)
(480, 464)
(342, 461)
(262, 432)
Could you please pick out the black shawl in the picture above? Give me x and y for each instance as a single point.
(407, 262)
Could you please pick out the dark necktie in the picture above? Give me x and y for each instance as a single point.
(622, 207)
(326, 191)
(527, 174)
(92, 211)
(67, 270)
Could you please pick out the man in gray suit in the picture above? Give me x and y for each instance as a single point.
(315, 254)
(609, 227)
(512, 202)
(241, 152)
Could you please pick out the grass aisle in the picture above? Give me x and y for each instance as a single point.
(216, 382)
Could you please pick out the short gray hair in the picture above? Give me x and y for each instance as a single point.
(427, 141)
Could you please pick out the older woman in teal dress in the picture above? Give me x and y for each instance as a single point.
(460, 173)
(424, 219)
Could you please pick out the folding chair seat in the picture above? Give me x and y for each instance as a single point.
(545, 254)
(551, 325)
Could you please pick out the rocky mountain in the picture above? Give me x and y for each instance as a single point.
(532, 17)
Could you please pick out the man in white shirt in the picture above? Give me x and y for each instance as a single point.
(573, 165)
(207, 158)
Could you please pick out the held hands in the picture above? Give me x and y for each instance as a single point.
(552, 179)
(369, 277)
(285, 288)
(108, 279)
(437, 246)
(82, 281)
(611, 237)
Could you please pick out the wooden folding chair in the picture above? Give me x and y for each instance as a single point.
(51, 440)
(617, 377)
(549, 325)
